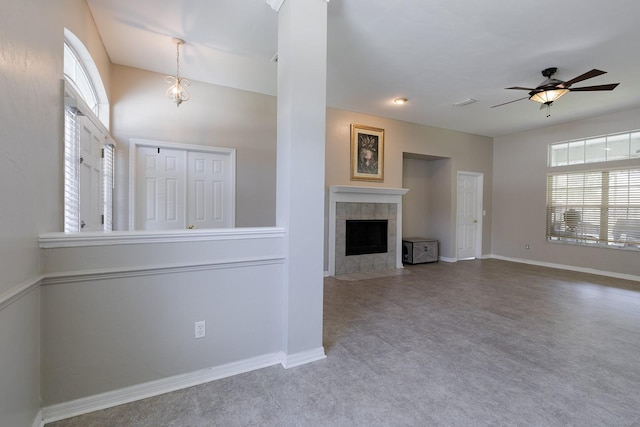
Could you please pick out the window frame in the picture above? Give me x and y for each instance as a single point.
(591, 199)
(75, 105)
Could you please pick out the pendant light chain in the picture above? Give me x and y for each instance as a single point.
(177, 61)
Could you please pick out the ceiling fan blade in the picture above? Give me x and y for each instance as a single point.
(505, 103)
(585, 76)
(611, 86)
(520, 88)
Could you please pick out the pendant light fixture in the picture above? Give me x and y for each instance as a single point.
(177, 91)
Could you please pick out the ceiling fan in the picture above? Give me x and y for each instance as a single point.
(551, 89)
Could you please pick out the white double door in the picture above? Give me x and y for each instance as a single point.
(178, 189)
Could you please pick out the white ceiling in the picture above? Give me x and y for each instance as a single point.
(433, 52)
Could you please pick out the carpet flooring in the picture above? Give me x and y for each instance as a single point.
(474, 343)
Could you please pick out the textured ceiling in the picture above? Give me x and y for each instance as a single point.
(434, 53)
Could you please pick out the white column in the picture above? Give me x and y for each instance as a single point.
(302, 64)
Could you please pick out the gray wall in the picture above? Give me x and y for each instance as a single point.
(416, 204)
(426, 208)
(519, 196)
(31, 180)
(120, 314)
(467, 152)
(214, 116)
(30, 191)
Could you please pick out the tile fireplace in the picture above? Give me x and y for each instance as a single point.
(364, 204)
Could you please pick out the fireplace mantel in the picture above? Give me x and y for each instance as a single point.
(359, 194)
(376, 192)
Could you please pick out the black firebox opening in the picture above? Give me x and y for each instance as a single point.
(366, 236)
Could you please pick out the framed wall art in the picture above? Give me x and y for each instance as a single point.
(367, 153)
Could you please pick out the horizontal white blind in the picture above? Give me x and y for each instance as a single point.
(107, 186)
(595, 207)
(71, 172)
(624, 206)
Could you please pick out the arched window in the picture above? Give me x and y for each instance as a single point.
(76, 75)
(88, 147)
(82, 73)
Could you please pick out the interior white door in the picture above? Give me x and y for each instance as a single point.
(469, 215)
(209, 190)
(160, 188)
(91, 144)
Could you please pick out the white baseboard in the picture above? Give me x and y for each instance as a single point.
(297, 359)
(446, 259)
(569, 267)
(154, 388)
(38, 421)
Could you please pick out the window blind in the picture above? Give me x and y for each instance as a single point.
(71, 172)
(107, 185)
(595, 207)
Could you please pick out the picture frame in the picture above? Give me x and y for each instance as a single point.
(367, 153)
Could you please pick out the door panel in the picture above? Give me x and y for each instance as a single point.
(150, 198)
(209, 190)
(91, 143)
(161, 189)
(468, 216)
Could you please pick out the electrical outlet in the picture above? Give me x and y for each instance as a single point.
(201, 329)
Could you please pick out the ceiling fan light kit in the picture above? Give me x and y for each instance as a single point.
(548, 96)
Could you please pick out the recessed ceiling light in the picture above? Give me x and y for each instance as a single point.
(400, 101)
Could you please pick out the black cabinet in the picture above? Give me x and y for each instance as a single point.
(419, 250)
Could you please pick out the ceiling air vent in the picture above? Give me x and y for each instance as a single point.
(464, 102)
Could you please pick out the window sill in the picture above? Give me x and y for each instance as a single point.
(632, 248)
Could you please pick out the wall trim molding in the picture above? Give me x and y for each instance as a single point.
(447, 259)
(569, 267)
(136, 392)
(152, 270)
(102, 238)
(14, 294)
(302, 358)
